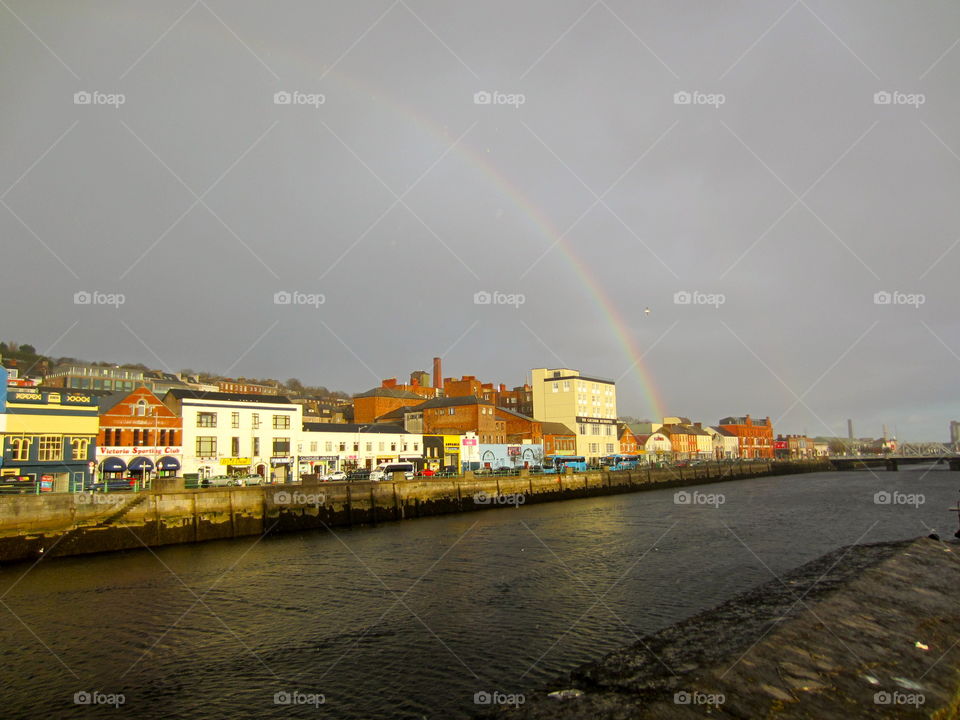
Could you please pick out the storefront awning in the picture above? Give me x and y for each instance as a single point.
(113, 465)
(141, 464)
(168, 463)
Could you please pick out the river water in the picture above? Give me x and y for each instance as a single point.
(412, 619)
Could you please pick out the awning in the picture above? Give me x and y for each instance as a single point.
(168, 463)
(113, 465)
(140, 464)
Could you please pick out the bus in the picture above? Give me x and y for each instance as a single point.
(620, 462)
(557, 463)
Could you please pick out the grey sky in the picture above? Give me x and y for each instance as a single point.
(797, 199)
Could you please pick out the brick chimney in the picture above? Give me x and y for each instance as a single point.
(390, 382)
(437, 374)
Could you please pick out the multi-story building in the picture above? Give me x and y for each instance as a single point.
(325, 447)
(683, 442)
(656, 446)
(111, 378)
(462, 415)
(726, 446)
(233, 433)
(587, 405)
(138, 435)
(754, 436)
(246, 387)
(48, 436)
(510, 456)
(520, 428)
(794, 447)
(628, 440)
(519, 400)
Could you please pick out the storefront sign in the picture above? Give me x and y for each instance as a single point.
(469, 441)
(280, 461)
(235, 461)
(103, 450)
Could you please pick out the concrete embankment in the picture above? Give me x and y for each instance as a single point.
(75, 524)
(867, 631)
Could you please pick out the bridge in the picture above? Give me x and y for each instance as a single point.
(906, 454)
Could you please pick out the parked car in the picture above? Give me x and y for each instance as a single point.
(427, 472)
(249, 480)
(219, 481)
(338, 476)
(18, 485)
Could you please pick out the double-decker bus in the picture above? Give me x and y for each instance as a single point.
(557, 463)
(620, 462)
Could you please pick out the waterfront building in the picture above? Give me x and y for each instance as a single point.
(656, 446)
(726, 446)
(683, 442)
(627, 439)
(510, 456)
(237, 434)
(325, 447)
(755, 437)
(48, 436)
(558, 439)
(585, 404)
(138, 436)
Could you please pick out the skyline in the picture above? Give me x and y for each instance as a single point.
(746, 157)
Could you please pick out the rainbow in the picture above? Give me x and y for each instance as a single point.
(613, 317)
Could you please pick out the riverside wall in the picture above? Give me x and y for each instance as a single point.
(63, 524)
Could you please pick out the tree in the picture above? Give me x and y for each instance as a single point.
(28, 350)
(295, 384)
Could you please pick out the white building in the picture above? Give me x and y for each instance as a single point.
(236, 434)
(657, 447)
(325, 447)
(587, 405)
(726, 445)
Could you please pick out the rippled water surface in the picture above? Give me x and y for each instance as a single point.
(410, 620)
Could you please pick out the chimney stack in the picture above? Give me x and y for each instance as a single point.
(437, 374)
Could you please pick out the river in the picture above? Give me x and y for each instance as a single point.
(412, 619)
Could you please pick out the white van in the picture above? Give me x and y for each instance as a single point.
(385, 471)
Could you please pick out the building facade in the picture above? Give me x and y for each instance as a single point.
(587, 405)
(138, 436)
(236, 434)
(48, 436)
(755, 437)
(327, 447)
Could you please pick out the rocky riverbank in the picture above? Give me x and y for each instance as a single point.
(868, 631)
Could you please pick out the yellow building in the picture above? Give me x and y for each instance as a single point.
(48, 437)
(587, 405)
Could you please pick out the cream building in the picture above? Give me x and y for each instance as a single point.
(587, 405)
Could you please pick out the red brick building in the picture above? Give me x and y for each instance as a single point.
(558, 439)
(520, 427)
(460, 415)
(628, 440)
(754, 436)
(246, 387)
(370, 405)
(139, 435)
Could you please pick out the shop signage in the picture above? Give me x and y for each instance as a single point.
(280, 460)
(133, 451)
(235, 461)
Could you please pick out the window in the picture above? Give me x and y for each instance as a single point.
(140, 408)
(255, 421)
(136, 436)
(281, 445)
(609, 429)
(234, 419)
(146, 437)
(163, 437)
(452, 410)
(21, 448)
(343, 447)
(281, 422)
(80, 446)
(256, 447)
(172, 437)
(566, 386)
(369, 447)
(356, 447)
(235, 447)
(328, 446)
(206, 419)
(313, 447)
(416, 447)
(556, 387)
(609, 447)
(206, 446)
(393, 447)
(380, 447)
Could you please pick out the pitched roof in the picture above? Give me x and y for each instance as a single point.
(191, 394)
(388, 392)
(516, 414)
(354, 428)
(722, 431)
(555, 428)
(452, 401)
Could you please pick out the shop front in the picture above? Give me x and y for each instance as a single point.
(236, 465)
(281, 469)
